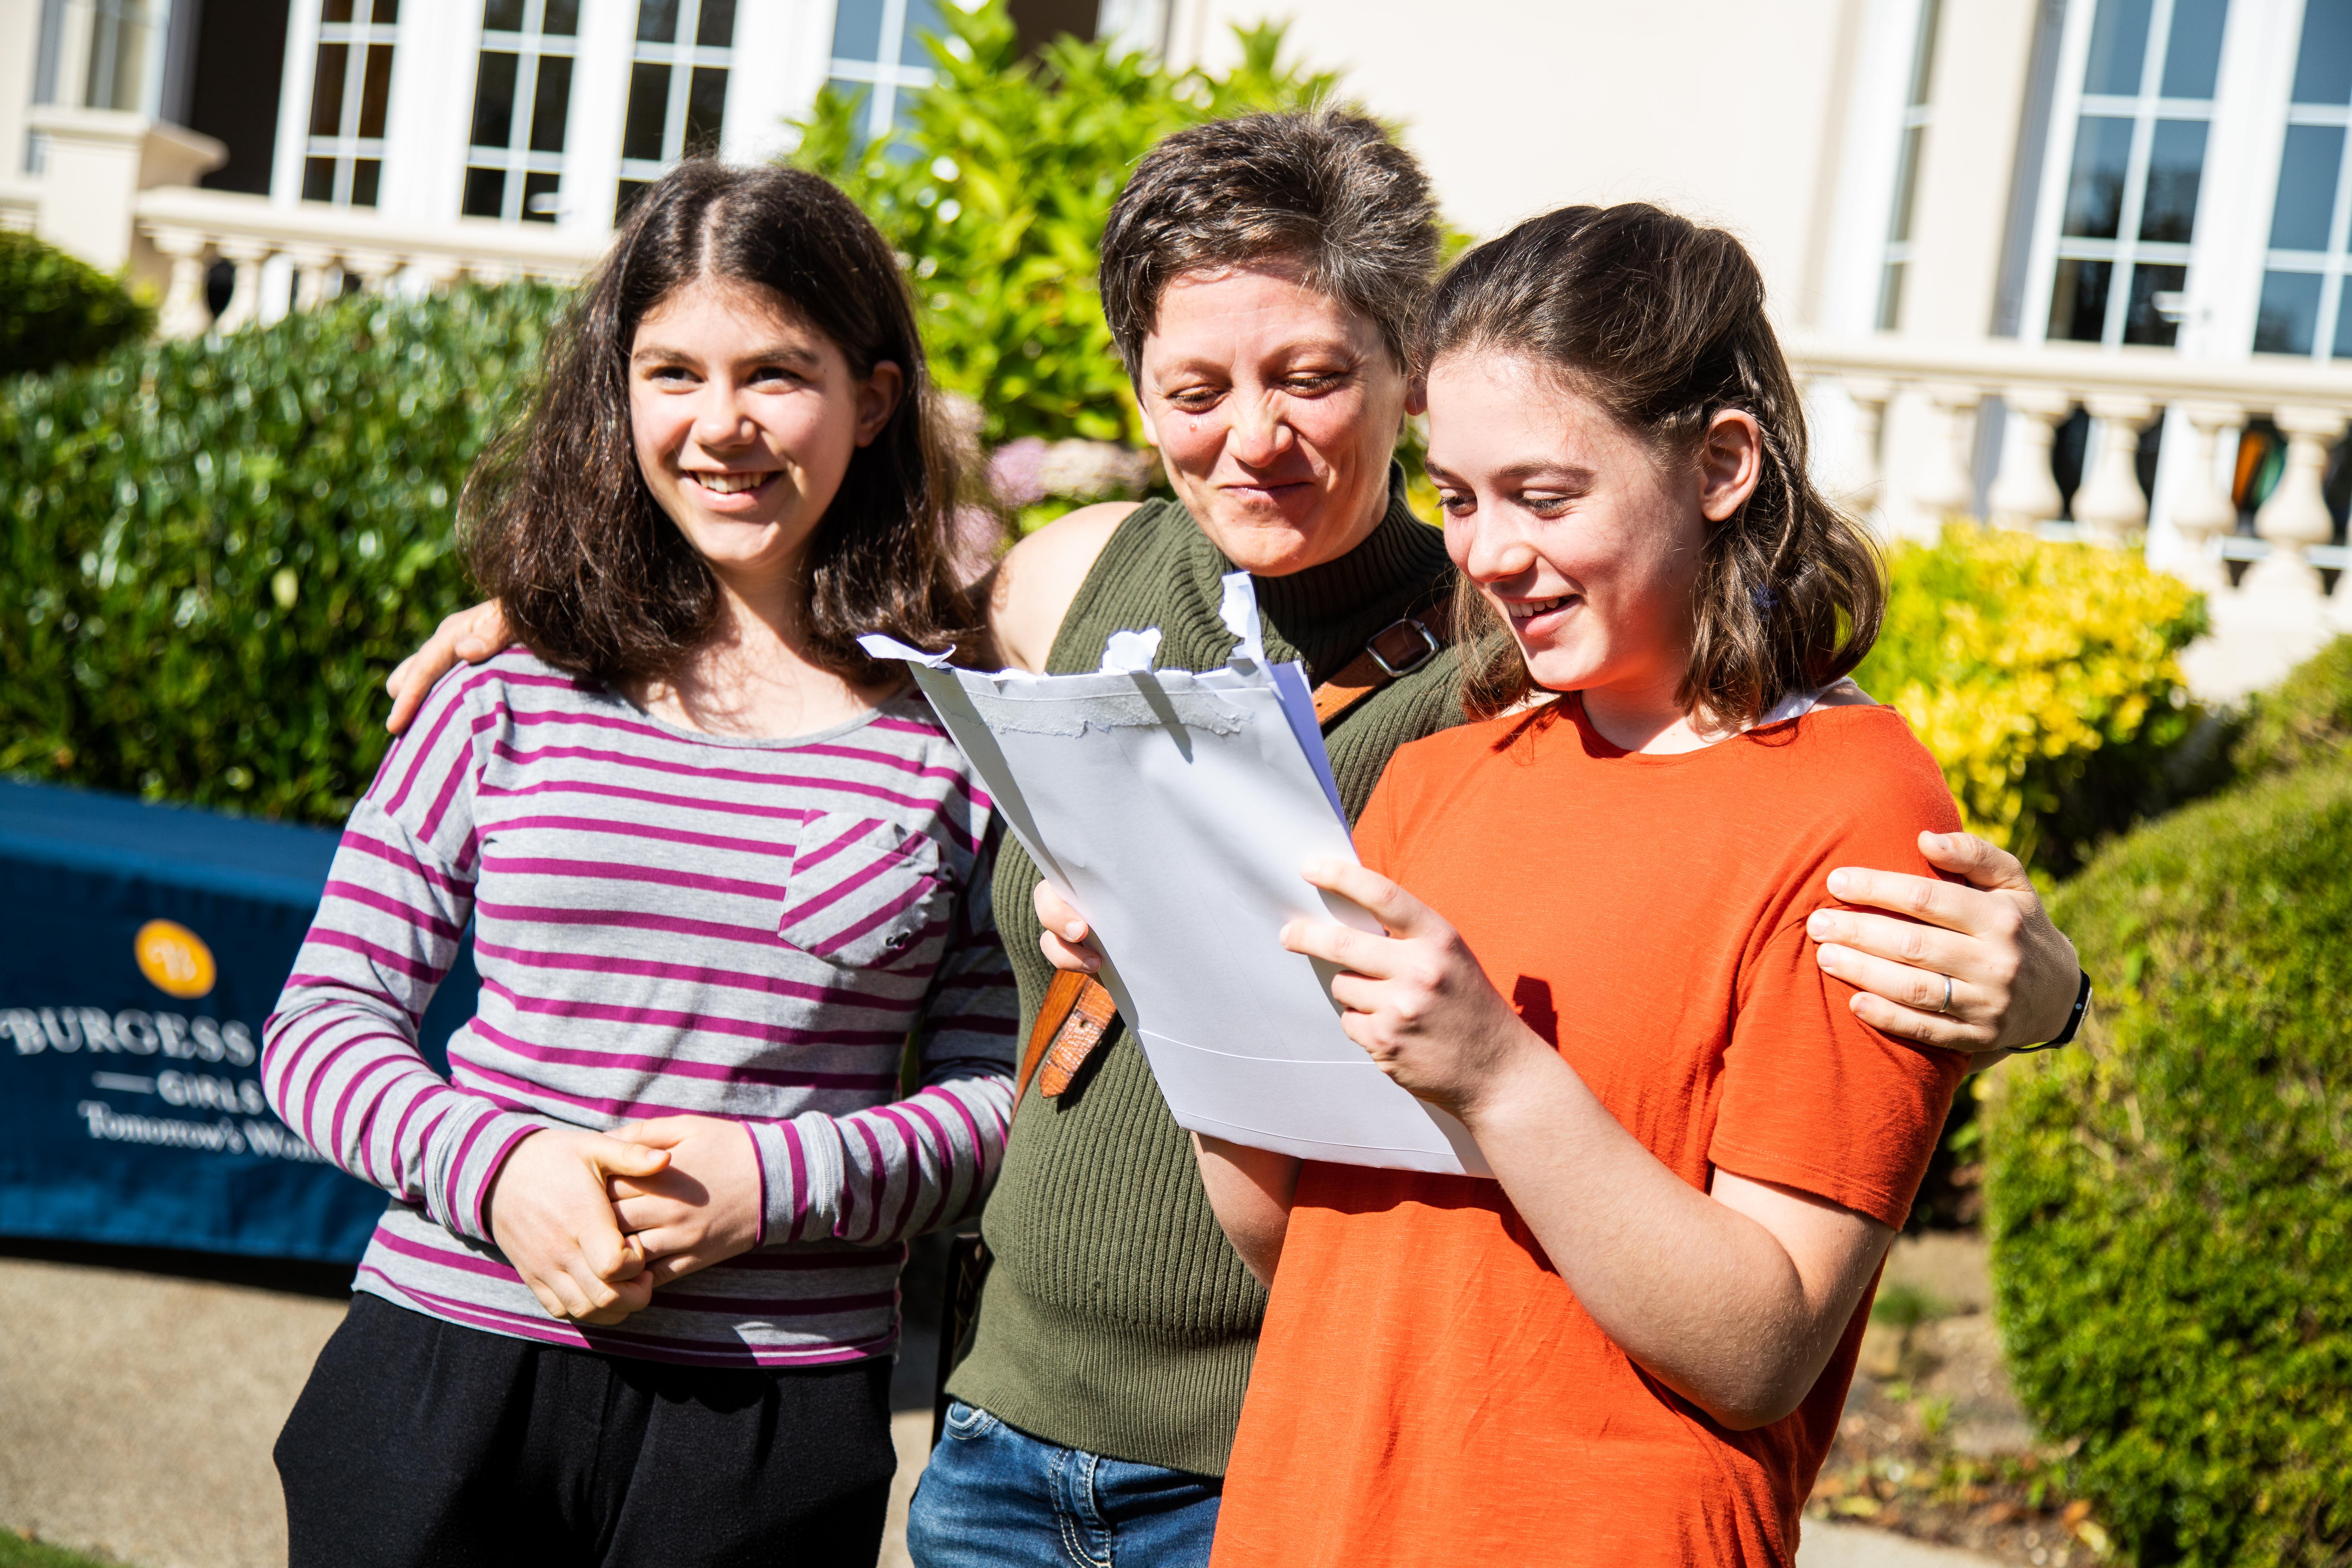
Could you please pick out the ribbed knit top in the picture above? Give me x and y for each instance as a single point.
(1117, 1318)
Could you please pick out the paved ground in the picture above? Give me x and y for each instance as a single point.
(139, 1410)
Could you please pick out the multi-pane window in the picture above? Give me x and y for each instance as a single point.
(677, 88)
(1906, 169)
(878, 54)
(350, 91)
(522, 99)
(2304, 309)
(2138, 160)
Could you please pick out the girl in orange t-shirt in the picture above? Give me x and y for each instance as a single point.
(1633, 1346)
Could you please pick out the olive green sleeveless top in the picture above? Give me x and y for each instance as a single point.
(1117, 1318)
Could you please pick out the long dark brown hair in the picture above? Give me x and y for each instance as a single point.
(1661, 321)
(560, 527)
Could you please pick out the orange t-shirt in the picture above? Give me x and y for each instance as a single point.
(1427, 1390)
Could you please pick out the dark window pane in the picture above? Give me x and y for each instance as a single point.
(494, 96)
(2094, 191)
(2323, 66)
(626, 198)
(375, 89)
(658, 21)
(551, 104)
(1906, 183)
(2308, 167)
(486, 192)
(2193, 53)
(714, 26)
(1923, 51)
(641, 136)
(2143, 321)
(2118, 47)
(335, 11)
(327, 90)
(502, 15)
(857, 30)
(561, 18)
(386, 13)
(2078, 301)
(706, 106)
(2343, 349)
(318, 179)
(365, 172)
(539, 199)
(922, 22)
(1890, 298)
(2288, 317)
(2176, 164)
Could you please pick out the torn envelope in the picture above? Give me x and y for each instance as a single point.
(1175, 810)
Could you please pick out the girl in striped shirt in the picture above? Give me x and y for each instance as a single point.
(634, 1296)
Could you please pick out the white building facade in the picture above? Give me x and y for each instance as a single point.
(2074, 265)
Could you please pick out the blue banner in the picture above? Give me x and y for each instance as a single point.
(141, 948)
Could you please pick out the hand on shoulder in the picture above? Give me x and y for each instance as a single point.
(1030, 590)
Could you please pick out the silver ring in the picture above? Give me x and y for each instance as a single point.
(1948, 996)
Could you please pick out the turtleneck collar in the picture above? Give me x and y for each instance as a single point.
(1324, 615)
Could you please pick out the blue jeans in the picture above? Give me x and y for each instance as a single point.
(994, 1497)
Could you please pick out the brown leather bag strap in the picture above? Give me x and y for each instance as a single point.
(1079, 1008)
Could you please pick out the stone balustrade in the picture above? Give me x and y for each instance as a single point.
(2280, 610)
(193, 228)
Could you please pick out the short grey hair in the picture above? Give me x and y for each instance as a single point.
(1324, 187)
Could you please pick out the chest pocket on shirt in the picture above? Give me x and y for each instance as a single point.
(864, 893)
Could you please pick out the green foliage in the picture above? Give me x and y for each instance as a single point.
(996, 190)
(2307, 719)
(27, 1552)
(215, 552)
(2171, 1198)
(1906, 1306)
(2042, 677)
(56, 309)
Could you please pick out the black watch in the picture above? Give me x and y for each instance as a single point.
(2073, 1020)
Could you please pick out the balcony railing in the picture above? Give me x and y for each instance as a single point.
(2275, 614)
(195, 227)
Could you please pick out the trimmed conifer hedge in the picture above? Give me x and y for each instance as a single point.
(215, 550)
(2171, 1200)
(57, 309)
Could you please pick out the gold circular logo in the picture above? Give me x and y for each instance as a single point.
(176, 959)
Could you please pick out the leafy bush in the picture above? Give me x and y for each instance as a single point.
(56, 309)
(2171, 1198)
(2307, 719)
(996, 189)
(215, 552)
(2042, 677)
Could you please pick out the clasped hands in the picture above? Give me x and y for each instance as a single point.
(594, 1221)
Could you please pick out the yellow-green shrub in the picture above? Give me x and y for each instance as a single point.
(2042, 676)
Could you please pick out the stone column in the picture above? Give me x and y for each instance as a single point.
(183, 314)
(2203, 512)
(2025, 492)
(2296, 517)
(244, 306)
(2111, 507)
(1948, 486)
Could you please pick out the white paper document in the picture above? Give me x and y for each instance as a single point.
(1175, 810)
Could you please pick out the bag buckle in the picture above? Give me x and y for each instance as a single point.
(1421, 646)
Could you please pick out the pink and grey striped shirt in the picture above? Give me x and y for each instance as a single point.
(665, 922)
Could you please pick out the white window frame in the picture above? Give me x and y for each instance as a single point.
(516, 160)
(681, 57)
(347, 147)
(883, 78)
(2334, 263)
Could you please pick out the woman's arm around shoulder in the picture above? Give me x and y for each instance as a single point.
(1030, 590)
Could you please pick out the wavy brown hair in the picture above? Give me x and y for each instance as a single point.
(1661, 321)
(560, 527)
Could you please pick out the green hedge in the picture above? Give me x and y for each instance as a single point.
(2044, 679)
(216, 550)
(2171, 1199)
(2307, 719)
(57, 310)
